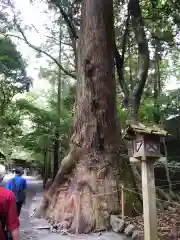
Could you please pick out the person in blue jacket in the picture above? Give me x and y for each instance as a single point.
(18, 186)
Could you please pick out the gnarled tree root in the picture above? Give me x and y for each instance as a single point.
(66, 166)
(86, 204)
(163, 198)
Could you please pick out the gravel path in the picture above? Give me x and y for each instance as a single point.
(29, 225)
(104, 236)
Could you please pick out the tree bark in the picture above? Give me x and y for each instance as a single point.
(45, 165)
(59, 105)
(85, 191)
(56, 155)
(133, 98)
(157, 85)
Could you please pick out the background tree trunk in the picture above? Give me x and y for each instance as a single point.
(59, 106)
(86, 189)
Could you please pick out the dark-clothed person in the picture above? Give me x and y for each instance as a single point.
(18, 186)
(9, 220)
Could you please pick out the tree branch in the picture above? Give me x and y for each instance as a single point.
(119, 60)
(42, 51)
(20, 38)
(69, 23)
(71, 28)
(143, 52)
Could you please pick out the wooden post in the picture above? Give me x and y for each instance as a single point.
(149, 200)
(122, 201)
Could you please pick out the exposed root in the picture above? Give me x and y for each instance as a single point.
(41, 211)
(159, 205)
(85, 201)
(173, 196)
(66, 167)
(162, 195)
(87, 197)
(178, 197)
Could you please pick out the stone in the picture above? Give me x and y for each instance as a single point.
(137, 235)
(64, 232)
(129, 230)
(117, 224)
(64, 224)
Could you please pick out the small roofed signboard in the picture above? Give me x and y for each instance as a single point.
(143, 141)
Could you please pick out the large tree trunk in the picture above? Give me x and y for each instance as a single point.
(86, 189)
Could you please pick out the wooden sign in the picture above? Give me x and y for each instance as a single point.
(145, 146)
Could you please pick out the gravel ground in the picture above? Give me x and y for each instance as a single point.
(29, 228)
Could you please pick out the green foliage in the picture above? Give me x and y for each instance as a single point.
(43, 124)
(11, 59)
(13, 80)
(39, 112)
(12, 73)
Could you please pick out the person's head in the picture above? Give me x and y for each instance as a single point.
(19, 171)
(2, 172)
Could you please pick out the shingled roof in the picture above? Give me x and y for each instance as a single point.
(133, 127)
